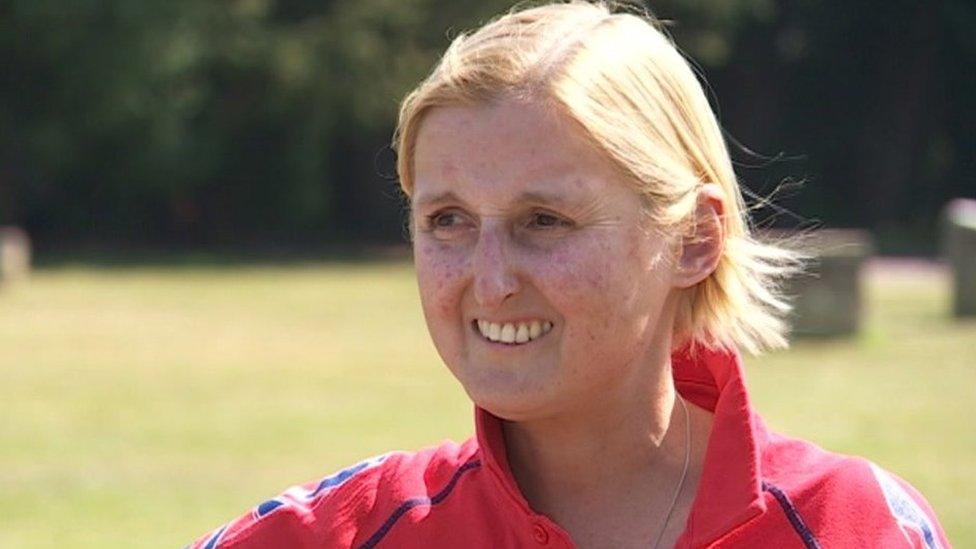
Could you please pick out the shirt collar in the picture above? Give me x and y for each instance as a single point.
(730, 489)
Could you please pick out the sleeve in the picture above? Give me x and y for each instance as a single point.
(322, 513)
(910, 512)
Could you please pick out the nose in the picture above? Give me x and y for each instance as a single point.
(495, 276)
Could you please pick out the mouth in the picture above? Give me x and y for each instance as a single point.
(512, 333)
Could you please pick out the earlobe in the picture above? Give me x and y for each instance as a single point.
(702, 250)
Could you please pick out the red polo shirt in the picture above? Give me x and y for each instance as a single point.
(758, 489)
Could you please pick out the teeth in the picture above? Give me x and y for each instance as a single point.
(508, 333)
(521, 332)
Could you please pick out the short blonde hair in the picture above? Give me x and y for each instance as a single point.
(636, 98)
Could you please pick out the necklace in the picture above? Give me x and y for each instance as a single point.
(684, 473)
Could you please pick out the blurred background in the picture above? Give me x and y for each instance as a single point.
(222, 304)
(181, 124)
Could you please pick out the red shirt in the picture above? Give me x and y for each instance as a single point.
(758, 489)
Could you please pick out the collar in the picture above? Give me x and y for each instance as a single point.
(730, 489)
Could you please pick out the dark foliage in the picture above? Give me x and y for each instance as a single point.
(180, 123)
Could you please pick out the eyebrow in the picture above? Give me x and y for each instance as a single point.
(439, 198)
(534, 197)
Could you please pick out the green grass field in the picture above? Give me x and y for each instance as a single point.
(145, 406)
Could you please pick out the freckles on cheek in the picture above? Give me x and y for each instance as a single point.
(585, 280)
(578, 271)
(440, 275)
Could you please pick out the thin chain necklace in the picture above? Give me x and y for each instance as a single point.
(684, 473)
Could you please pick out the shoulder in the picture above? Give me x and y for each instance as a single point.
(337, 509)
(846, 499)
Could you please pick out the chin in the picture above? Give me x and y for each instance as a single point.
(507, 395)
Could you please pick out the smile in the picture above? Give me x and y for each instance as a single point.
(513, 333)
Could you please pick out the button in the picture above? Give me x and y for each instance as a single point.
(540, 534)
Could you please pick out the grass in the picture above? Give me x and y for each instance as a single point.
(145, 406)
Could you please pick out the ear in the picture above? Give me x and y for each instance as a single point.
(700, 251)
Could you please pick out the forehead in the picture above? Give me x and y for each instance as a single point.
(506, 148)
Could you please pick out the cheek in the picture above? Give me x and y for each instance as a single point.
(597, 287)
(440, 274)
(581, 272)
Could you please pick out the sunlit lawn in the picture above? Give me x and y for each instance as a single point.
(144, 406)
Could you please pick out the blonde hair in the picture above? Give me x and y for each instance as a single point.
(637, 99)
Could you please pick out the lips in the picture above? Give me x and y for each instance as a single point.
(513, 333)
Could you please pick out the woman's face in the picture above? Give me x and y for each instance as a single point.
(540, 283)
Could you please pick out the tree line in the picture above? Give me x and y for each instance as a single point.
(179, 123)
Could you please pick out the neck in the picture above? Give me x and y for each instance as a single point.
(614, 463)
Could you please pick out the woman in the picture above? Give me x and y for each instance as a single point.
(587, 273)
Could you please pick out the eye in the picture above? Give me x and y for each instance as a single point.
(546, 220)
(444, 221)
